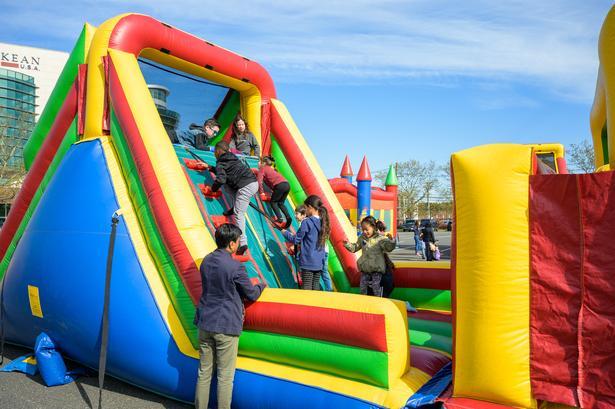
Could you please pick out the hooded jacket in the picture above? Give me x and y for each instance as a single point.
(194, 136)
(231, 171)
(372, 258)
(311, 257)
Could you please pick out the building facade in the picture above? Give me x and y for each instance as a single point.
(27, 78)
(17, 114)
(170, 119)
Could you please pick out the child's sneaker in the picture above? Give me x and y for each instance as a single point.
(229, 212)
(279, 224)
(409, 307)
(241, 250)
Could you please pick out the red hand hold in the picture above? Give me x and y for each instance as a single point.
(196, 164)
(207, 192)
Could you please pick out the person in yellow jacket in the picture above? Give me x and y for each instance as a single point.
(372, 263)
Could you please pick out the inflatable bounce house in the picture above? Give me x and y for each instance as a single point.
(362, 199)
(531, 314)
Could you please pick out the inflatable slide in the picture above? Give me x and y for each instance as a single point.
(100, 149)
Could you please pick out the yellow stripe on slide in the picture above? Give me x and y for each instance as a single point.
(397, 395)
(175, 188)
(442, 264)
(147, 263)
(95, 96)
(338, 210)
(396, 322)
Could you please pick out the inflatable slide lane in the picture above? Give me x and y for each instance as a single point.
(101, 148)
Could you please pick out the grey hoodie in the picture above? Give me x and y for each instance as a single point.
(245, 144)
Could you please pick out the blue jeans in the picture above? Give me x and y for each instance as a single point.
(326, 278)
(419, 247)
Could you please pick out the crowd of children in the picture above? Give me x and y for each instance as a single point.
(220, 312)
(310, 240)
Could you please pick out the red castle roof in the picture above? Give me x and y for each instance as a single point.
(346, 168)
(364, 173)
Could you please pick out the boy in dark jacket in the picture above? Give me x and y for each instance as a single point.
(239, 182)
(219, 315)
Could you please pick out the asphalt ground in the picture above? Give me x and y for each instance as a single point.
(406, 250)
(19, 391)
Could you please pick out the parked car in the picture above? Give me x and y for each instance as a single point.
(445, 224)
(406, 226)
(431, 222)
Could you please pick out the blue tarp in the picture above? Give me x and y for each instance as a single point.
(429, 392)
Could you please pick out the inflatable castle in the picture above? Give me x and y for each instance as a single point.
(526, 322)
(362, 199)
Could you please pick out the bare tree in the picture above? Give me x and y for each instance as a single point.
(581, 157)
(13, 133)
(445, 188)
(417, 182)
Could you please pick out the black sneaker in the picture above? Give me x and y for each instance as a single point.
(229, 212)
(287, 224)
(241, 250)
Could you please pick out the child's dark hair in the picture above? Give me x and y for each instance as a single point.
(225, 234)
(235, 130)
(316, 203)
(302, 210)
(268, 160)
(212, 123)
(370, 221)
(223, 146)
(381, 226)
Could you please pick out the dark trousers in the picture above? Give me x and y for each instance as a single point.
(428, 252)
(278, 197)
(311, 279)
(371, 281)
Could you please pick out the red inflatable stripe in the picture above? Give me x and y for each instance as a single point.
(427, 360)
(37, 172)
(432, 278)
(172, 239)
(310, 184)
(134, 33)
(429, 315)
(363, 330)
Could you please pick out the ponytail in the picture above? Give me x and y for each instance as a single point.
(325, 225)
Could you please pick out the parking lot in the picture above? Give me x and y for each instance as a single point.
(406, 250)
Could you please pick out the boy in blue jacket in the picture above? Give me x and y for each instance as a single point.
(219, 315)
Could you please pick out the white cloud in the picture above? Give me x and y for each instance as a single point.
(551, 44)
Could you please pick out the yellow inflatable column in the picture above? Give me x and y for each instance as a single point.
(491, 282)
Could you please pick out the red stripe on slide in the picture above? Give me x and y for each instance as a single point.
(432, 278)
(427, 360)
(41, 164)
(363, 330)
(173, 241)
(429, 315)
(309, 182)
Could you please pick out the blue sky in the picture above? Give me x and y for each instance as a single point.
(391, 79)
